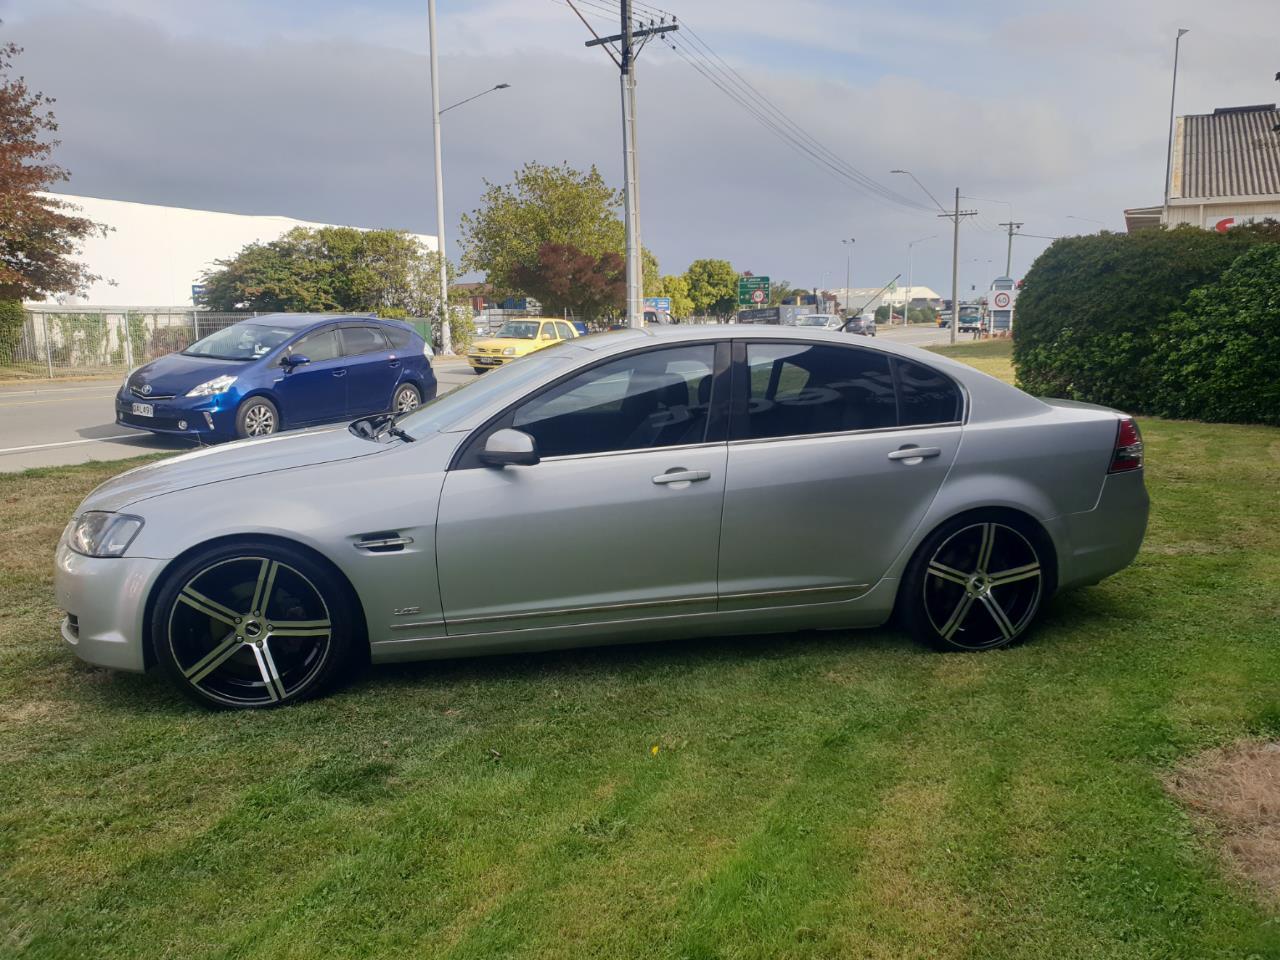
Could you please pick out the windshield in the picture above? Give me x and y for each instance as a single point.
(444, 412)
(240, 341)
(518, 330)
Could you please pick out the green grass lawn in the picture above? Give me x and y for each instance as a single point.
(819, 795)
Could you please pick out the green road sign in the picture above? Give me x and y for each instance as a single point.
(753, 291)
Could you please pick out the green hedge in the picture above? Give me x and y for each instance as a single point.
(1220, 358)
(1093, 310)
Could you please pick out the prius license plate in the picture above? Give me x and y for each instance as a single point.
(144, 410)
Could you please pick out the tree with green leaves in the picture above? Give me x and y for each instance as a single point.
(39, 235)
(713, 287)
(676, 287)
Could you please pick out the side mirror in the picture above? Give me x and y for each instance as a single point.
(513, 447)
(292, 360)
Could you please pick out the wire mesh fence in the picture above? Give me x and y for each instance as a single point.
(100, 341)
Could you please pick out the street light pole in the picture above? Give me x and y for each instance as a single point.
(848, 272)
(1173, 96)
(446, 335)
(906, 306)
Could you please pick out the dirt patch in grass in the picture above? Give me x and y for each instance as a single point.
(1235, 792)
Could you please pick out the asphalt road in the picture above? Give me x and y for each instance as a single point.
(53, 423)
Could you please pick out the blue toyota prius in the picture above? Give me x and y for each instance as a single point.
(280, 371)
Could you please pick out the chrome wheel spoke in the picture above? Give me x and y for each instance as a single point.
(1014, 574)
(216, 657)
(988, 543)
(262, 590)
(210, 608)
(957, 616)
(299, 628)
(1007, 629)
(267, 668)
(950, 574)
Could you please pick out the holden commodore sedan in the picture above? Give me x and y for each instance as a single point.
(671, 482)
(276, 372)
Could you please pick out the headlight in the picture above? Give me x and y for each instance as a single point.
(210, 387)
(508, 351)
(97, 533)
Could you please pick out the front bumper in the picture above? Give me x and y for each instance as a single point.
(105, 600)
(488, 359)
(180, 416)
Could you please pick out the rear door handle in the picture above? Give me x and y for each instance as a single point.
(915, 453)
(395, 363)
(678, 475)
(340, 373)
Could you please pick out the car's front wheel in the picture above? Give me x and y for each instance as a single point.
(406, 399)
(257, 417)
(252, 624)
(976, 583)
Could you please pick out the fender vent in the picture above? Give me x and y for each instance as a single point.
(384, 541)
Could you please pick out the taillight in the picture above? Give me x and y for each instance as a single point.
(1128, 452)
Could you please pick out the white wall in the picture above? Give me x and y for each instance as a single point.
(1207, 213)
(154, 254)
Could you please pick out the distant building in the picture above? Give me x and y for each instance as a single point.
(1225, 171)
(153, 255)
(873, 297)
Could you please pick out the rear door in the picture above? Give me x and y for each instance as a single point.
(824, 488)
(372, 371)
(314, 392)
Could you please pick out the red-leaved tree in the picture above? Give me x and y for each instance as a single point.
(566, 278)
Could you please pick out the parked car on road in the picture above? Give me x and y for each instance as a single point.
(864, 325)
(518, 338)
(643, 485)
(823, 321)
(277, 372)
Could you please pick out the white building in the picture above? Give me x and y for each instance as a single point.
(152, 255)
(1225, 171)
(876, 296)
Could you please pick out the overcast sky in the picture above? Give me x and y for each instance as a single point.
(320, 109)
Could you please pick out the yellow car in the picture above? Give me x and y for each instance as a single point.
(517, 338)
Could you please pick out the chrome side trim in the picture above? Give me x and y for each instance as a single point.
(417, 623)
(797, 591)
(846, 433)
(383, 542)
(568, 611)
(618, 453)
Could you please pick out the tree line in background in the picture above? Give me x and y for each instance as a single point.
(1176, 323)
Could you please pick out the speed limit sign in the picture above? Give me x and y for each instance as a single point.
(1001, 300)
(757, 296)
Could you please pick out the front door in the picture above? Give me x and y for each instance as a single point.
(620, 520)
(825, 487)
(313, 392)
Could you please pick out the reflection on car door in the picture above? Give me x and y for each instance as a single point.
(314, 392)
(621, 519)
(372, 373)
(822, 492)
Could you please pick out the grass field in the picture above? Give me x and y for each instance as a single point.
(833, 795)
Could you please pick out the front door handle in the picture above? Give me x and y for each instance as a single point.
(915, 453)
(680, 475)
(340, 373)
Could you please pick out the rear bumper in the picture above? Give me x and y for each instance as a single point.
(105, 601)
(1106, 539)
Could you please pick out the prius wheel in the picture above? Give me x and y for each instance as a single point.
(257, 417)
(252, 625)
(406, 399)
(975, 584)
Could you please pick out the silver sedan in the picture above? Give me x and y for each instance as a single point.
(636, 486)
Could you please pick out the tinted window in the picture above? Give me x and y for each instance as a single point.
(401, 339)
(926, 396)
(322, 345)
(358, 340)
(564, 331)
(660, 398)
(798, 389)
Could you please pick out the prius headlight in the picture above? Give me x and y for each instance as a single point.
(97, 533)
(210, 387)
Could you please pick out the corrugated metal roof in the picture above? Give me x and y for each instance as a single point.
(1231, 153)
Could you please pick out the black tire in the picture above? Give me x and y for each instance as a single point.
(257, 417)
(407, 398)
(955, 597)
(220, 652)
(479, 369)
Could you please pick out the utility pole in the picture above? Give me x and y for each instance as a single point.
(1008, 260)
(625, 57)
(446, 335)
(955, 262)
(848, 272)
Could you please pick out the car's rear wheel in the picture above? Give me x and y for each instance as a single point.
(257, 417)
(976, 583)
(406, 399)
(252, 624)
